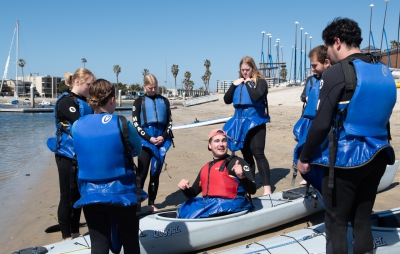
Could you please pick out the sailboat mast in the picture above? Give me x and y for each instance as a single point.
(16, 61)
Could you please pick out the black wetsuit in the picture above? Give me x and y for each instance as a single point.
(146, 154)
(68, 217)
(248, 183)
(254, 143)
(354, 192)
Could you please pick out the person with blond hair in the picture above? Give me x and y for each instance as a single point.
(246, 130)
(105, 145)
(69, 107)
(151, 115)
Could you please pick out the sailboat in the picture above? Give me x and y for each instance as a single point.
(13, 103)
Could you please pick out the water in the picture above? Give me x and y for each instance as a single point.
(23, 141)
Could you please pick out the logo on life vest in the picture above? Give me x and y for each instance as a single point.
(133, 108)
(166, 232)
(246, 168)
(321, 83)
(384, 70)
(72, 109)
(106, 119)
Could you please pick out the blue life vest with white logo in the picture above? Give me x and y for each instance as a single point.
(61, 144)
(248, 114)
(311, 81)
(103, 176)
(360, 124)
(153, 111)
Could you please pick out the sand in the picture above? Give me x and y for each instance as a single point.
(30, 205)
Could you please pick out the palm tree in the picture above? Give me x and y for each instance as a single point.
(117, 71)
(283, 73)
(175, 70)
(204, 78)
(207, 64)
(21, 63)
(84, 61)
(145, 72)
(394, 44)
(187, 76)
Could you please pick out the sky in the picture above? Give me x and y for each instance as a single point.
(54, 35)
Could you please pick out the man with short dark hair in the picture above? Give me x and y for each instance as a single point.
(224, 182)
(356, 100)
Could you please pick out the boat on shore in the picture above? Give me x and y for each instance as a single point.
(385, 227)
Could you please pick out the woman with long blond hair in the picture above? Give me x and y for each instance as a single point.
(246, 130)
(69, 107)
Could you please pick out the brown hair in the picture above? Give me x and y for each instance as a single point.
(100, 91)
(250, 62)
(319, 51)
(80, 74)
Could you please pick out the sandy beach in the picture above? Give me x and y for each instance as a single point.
(30, 205)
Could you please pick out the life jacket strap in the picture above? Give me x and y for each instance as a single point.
(130, 164)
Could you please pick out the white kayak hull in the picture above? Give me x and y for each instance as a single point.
(201, 123)
(385, 231)
(163, 233)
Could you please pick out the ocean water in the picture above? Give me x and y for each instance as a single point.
(23, 141)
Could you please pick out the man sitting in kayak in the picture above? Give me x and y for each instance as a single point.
(224, 182)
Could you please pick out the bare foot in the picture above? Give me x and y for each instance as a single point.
(304, 182)
(152, 208)
(267, 190)
(67, 239)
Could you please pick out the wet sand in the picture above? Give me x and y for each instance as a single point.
(30, 204)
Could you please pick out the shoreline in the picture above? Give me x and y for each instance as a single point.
(29, 204)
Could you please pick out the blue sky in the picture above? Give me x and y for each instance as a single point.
(56, 34)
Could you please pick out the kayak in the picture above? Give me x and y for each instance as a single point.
(385, 227)
(198, 123)
(164, 233)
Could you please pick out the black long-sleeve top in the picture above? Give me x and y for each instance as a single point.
(68, 109)
(256, 94)
(137, 108)
(333, 91)
(248, 183)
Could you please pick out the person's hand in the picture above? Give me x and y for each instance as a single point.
(237, 168)
(153, 140)
(159, 140)
(238, 81)
(303, 167)
(248, 80)
(183, 184)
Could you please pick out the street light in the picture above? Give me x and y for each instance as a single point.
(295, 51)
(301, 54)
(310, 50)
(269, 53)
(277, 59)
(262, 52)
(384, 19)
(305, 55)
(369, 35)
(291, 62)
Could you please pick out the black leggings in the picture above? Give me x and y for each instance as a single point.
(254, 145)
(68, 217)
(99, 218)
(351, 199)
(143, 169)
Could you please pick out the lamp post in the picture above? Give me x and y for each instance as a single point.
(291, 62)
(301, 54)
(295, 52)
(383, 28)
(269, 54)
(305, 55)
(310, 50)
(277, 59)
(262, 52)
(369, 35)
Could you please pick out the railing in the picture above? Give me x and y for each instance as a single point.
(200, 100)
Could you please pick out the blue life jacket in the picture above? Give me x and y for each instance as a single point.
(360, 125)
(103, 176)
(153, 111)
(310, 82)
(248, 114)
(153, 119)
(62, 143)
